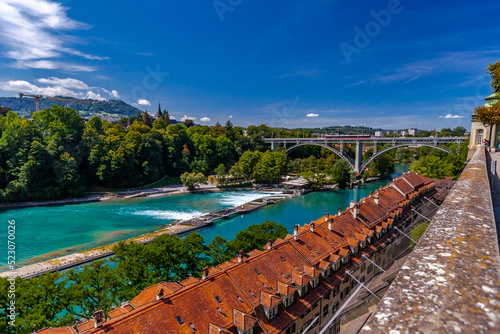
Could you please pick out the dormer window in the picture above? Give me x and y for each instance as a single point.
(273, 311)
(326, 273)
(288, 300)
(314, 282)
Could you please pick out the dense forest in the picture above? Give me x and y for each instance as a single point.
(57, 299)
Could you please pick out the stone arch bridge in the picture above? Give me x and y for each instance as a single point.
(358, 165)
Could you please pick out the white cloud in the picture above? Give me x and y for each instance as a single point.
(32, 31)
(115, 94)
(143, 102)
(54, 86)
(230, 116)
(172, 117)
(312, 115)
(205, 119)
(66, 83)
(187, 117)
(94, 96)
(451, 116)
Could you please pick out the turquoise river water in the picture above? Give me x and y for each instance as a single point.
(49, 231)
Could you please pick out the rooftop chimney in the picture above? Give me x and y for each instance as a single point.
(204, 273)
(159, 293)
(296, 232)
(98, 318)
(330, 224)
(269, 244)
(355, 210)
(327, 216)
(340, 211)
(375, 198)
(312, 227)
(353, 203)
(240, 256)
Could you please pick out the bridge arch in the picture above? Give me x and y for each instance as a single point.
(365, 164)
(334, 150)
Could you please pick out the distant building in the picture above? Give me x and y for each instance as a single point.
(479, 131)
(413, 131)
(378, 133)
(404, 133)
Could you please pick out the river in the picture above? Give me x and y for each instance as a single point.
(47, 232)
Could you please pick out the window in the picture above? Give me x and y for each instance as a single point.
(314, 282)
(289, 300)
(479, 137)
(218, 299)
(179, 320)
(325, 311)
(354, 283)
(363, 267)
(362, 280)
(335, 307)
(370, 268)
(273, 312)
(327, 272)
(258, 273)
(344, 293)
(239, 298)
(336, 291)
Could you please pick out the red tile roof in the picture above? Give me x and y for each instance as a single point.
(242, 320)
(214, 329)
(58, 330)
(268, 300)
(149, 294)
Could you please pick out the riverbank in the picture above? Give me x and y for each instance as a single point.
(177, 227)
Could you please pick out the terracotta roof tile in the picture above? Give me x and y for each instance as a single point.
(286, 289)
(58, 330)
(268, 300)
(189, 281)
(149, 294)
(86, 326)
(242, 320)
(214, 329)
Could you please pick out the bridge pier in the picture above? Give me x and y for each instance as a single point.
(359, 156)
(274, 146)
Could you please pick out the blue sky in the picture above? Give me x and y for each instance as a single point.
(389, 64)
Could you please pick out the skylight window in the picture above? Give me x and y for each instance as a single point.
(192, 327)
(218, 299)
(253, 294)
(282, 258)
(220, 311)
(309, 247)
(258, 273)
(179, 320)
(239, 298)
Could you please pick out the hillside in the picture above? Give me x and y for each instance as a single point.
(110, 107)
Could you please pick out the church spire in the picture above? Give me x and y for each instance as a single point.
(159, 114)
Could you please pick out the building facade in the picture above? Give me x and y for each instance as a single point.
(480, 132)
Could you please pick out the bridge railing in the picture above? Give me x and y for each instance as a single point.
(451, 282)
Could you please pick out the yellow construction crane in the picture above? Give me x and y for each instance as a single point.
(37, 100)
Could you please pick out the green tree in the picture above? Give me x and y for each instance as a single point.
(432, 167)
(192, 180)
(94, 288)
(221, 173)
(341, 173)
(271, 166)
(218, 251)
(256, 236)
